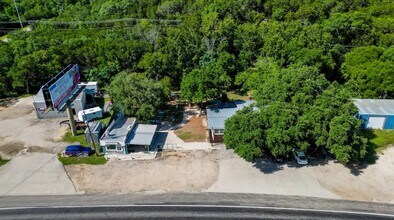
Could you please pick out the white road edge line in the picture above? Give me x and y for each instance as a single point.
(206, 206)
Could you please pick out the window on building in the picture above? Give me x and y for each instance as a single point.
(218, 131)
(111, 147)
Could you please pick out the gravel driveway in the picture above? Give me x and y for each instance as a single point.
(32, 145)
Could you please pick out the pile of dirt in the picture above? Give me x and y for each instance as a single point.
(172, 172)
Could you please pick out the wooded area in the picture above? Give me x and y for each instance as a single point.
(302, 60)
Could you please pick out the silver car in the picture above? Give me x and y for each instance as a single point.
(300, 157)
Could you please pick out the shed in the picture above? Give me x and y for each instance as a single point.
(95, 128)
(376, 113)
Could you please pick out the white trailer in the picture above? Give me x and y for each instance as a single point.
(89, 114)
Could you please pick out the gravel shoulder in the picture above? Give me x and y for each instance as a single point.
(173, 171)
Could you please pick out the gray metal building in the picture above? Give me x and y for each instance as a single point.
(95, 129)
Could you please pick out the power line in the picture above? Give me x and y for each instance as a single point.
(104, 21)
(20, 21)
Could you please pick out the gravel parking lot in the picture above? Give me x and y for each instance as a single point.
(31, 144)
(326, 179)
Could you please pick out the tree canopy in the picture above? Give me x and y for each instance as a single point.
(302, 60)
(136, 95)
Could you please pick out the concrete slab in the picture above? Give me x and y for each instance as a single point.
(35, 174)
(173, 142)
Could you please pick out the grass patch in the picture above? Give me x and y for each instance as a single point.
(184, 135)
(379, 139)
(80, 137)
(25, 95)
(106, 119)
(189, 136)
(235, 96)
(92, 160)
(2, 162)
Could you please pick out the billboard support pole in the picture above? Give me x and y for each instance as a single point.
(71, 119)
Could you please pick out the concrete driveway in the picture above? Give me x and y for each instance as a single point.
(35, 174)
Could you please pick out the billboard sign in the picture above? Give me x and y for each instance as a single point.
(63, 87)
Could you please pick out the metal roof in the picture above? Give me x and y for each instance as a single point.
(142, 135)
(375, 106)
(217, 114)
(118, 129)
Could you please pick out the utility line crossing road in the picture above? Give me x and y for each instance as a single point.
(204, 205)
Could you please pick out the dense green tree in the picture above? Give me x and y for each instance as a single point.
(136, 95)
(33, 69)
(6, 61)
(371, 70)
(200, 85)
(244, 138)
(301, 110)
(345, 141)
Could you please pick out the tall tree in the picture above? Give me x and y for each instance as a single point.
(209, 82)
(137, 95)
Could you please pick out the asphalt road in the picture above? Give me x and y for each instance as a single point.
(202, 205)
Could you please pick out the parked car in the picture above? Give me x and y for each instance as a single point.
(78, 151)
(300, 157)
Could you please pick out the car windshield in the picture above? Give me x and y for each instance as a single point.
(302, 157)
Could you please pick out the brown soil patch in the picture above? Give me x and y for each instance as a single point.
(193, 131)
(15, 112)
(172, 172)
(34, 149)
(11, 149)
(5, 102)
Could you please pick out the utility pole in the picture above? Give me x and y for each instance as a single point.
(90, 132)
(71, 119)
(20, 21)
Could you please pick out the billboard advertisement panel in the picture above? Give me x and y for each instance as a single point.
(62, 88)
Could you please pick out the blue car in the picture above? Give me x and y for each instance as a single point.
(78, 150)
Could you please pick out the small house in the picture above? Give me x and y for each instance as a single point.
(375, 113)
(124, 135)
(218, 113)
